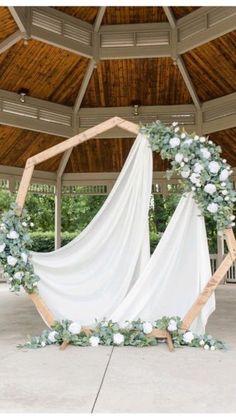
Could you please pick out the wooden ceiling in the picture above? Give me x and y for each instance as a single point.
(56, 75)
(96, 155)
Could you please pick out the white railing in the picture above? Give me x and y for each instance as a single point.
(231, 274)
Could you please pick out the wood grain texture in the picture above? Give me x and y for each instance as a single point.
(183, 11)
(136, 14)
(88, 14)
(7, 23)
(212, 67)
(151, 81)
(48, 72)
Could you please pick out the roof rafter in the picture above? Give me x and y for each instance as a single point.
(10, 41)
(22, 17)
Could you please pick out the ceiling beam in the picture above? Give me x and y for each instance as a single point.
(10, 41)
(22, 17)
(47, 117)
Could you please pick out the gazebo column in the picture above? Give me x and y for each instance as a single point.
(58, 196)
(220, 251)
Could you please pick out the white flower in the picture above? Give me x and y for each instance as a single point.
(196, 138)
(185, 173)
(193, 188)
(43, 343)
(2, 247)
(188, 337)
(226, 198)
(125, 325)
(24, 224)
(202, 139)
(13, 235)
(206, 347)
(213, 207)
(19, 275)
(176, 129)
(147, 328)
(52, 336)
(205, 153)
(174, 142)
(198, 168)
(194, 178)
(213, 348)
(186, 159)
(224, 174)
(31, 224)
(214, 167)
(179, 157)
(118, 338)
(210, 142)
(188, 141)
(74, 328)
(223, 184)
(174, 123)
(183, 135)
(224, 160)
(172, 326)
(94, 341)
(202, 342)
(210, 188)
(3, 227)
(11, 260)
(224, 192)
(182, 164)
(232, 217)
(24, 257)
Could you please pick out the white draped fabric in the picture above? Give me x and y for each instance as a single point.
(107, 270)
(89, 277)
(176, 273)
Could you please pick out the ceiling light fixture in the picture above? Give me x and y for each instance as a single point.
(23, 93)
(136, 104)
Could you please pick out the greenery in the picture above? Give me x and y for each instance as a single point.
(135, 333)
(197, 160)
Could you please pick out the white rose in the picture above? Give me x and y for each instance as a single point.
(210, 142)
(19, 275)
(74, 328)
(202, 342)
(24, 257)
(179, 157)
(224, 174)
(174, 142)
(202, 139)
(188, 337)
(185, 173)
(43, 344)
(11, 260)
(194, 178)
(118, 338)
(224, 192)
(52, 336)
(147, 328)
(210, 188)
(3, 227)
(31, 224)
(214, 167)
(196, 138)
(205, 153)
(183, 135)
(223, 184)
(172, 326)
(94, 341)
(232, 217)
(188, 141)
(198, 168)
(2, 247)
(24, 224)
(186, 159)
(224, 161)
(227, 198)
(176, 129)
(13, 235)
(206, 347)
(193, 188)
(213, 348)
(213, 208)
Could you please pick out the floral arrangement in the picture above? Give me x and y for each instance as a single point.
(134, 333)
(14, 256)
(197, 160)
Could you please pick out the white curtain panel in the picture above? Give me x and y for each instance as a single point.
(176, 273)
(89, 277)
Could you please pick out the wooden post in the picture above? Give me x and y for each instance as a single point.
(24, 186)
(213, 282)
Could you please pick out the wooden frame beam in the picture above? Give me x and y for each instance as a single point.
(10, 41)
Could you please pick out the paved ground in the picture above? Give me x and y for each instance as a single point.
(119, 380)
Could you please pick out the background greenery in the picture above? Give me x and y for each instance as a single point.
(78, 211)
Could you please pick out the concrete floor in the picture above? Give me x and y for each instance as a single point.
(119, 380)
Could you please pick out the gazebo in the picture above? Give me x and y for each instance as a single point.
(66, 69)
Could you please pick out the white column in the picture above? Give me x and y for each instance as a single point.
(220, 252)
(58, 196)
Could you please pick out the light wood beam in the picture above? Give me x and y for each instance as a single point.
(10, 41)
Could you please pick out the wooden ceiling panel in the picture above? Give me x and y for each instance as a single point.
(227, 140)
(7, 23)
(183, 11)
(151, 81)
(88, 14)
(49, 73)
(212, 67)
(125, 15)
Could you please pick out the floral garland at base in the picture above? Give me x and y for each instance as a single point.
(134, 333)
